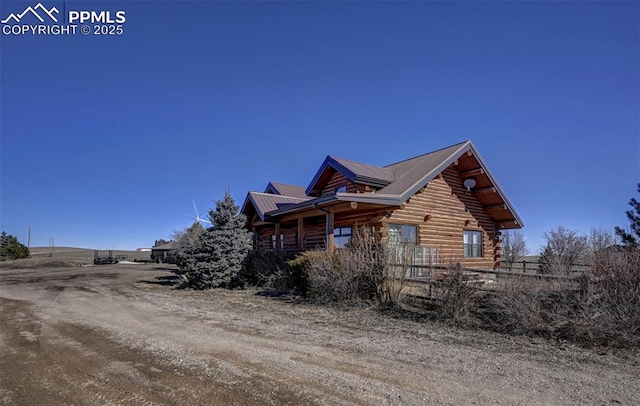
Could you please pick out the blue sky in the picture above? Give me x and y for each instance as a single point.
(105, 140)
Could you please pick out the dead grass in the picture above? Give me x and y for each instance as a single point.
(65, 257)
(34, 263)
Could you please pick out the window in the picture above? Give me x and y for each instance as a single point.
(403, 245)
(403, 234)
(341, 189)
(273, 241)
(341, 236)
(472, 244)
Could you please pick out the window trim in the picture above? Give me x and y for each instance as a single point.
(340, 233)
(273, 241)
(416, 241)
(468, 249)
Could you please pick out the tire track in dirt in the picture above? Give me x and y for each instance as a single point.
(61, 363)
(120, 335)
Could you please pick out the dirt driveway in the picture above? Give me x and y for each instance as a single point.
(119, 334)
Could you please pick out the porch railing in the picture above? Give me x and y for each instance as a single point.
(420, 260)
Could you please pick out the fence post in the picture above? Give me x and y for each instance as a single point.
(524, 266)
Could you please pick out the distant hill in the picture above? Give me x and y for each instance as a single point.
(84, 255)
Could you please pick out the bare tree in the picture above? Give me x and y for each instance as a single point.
(564, 249)
(514, 248)
(601, 239)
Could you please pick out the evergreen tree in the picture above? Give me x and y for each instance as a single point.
(216, 257)
(632, 238)
(547, 261)
(11, 248)
(188, 245)
(160, 242)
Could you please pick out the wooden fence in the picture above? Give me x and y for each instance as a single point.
(525, 266)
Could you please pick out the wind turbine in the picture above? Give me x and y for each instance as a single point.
(197, 217)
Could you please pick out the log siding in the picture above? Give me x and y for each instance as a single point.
(442, 210)
(337, 180)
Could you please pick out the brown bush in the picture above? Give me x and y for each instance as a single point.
(598, 309)
(337, 277)
(455, 293)
(273, 270)
(614, 296)
(365, 269)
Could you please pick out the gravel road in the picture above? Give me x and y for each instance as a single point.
(121, 334)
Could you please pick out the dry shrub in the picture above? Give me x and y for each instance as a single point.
(365, 269)
(338, 277)
(455, 293)
(273, 270)
(599, 309)
(394, 267)
(525, 306)
(614, 296)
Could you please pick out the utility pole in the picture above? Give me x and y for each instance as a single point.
(29, 238)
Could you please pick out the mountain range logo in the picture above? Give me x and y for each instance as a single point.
(33, 10)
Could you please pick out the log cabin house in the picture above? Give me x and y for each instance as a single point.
(445, 203)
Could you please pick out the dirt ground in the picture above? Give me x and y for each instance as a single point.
(121, 334)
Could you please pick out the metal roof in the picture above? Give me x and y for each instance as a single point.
(412, 171)
(398, 181)
(286, 190)
(166, 247)
(356, 172)
(266, 202)
(361, 170)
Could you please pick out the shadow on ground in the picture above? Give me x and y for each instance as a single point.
(168, 280)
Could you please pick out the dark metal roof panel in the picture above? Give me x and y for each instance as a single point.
(366, 171)
(265, 202)
(166, 247)
(410, 172)
(288, 190)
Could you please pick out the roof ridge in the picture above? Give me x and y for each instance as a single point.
(428, 153)
(285, 184)
(358, 162)
(271, 194)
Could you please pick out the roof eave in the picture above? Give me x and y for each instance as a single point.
(293, 208)
(371, 181)
(271, 186)
(247, 200)
(464, 147)
(256, 207)
(383, 200)
(316, 177)
(497, 186)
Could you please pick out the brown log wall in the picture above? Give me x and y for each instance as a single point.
(314, 236)
(441, 210)
(451, 211)
(337, 180)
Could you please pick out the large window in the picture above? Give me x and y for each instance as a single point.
(341, 236)
(472, 243)
(403, 234)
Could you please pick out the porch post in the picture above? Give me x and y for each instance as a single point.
(300, 233)
(277, 231)
(254, 238)
(330, 228)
